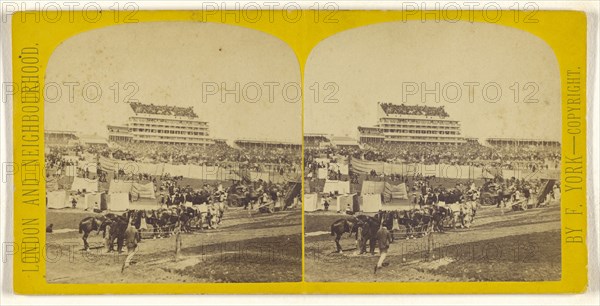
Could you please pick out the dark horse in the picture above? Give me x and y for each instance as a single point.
(87, 225)
(341, 226)
(405, 218)
(367, 231)
(250, 199)
(118, 224)
(135, 217)
(386, 218)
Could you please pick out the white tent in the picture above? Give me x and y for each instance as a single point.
(80, 183)
(342, 187)
(91, 199)
(371, 203)
(70, 171)
(372, 187)
(57, 199)
(343, 201)
(118, 201)
(343, 169)
(145, 191)
(311, 202)
(322, 173)
(396, 191)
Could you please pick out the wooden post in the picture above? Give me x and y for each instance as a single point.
(178, 243)
(430, 247)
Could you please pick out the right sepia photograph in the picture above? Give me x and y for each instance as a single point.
(432, 153)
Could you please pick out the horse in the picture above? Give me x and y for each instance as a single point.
(87, 225)
(185, 218)
(341, 226)
(422, 221)
(405, 218)
(135, 217)
(386, 219)
(153, 220)
(167, 219)
(251, 198)
(118, 225)
(367, 231)
(439, 214)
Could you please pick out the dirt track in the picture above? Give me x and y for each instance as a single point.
(514, 246)
(257, 248)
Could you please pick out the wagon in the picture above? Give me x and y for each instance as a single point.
(488, 198)
(268, 207)
(520, 205)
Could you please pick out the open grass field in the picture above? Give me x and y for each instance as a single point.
(246, 247)
(509, 246)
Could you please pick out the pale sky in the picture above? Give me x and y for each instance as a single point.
(370, 64)
(174, 63)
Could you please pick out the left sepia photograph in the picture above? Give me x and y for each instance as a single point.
(173, 155)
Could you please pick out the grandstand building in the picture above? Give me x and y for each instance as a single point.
(400, 123)
(266, 144)
(316, 140)
(54, 137)
(161, 124)
(514, 142)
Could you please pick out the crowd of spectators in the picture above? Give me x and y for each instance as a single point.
(169, 110)
(524, 157)
(419, 110)
(271, 158)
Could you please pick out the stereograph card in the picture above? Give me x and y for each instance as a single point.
(303, 152)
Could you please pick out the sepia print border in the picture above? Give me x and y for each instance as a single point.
(35, 38)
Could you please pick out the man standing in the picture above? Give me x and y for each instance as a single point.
(383, 239)
(131, 234)
(107, 236)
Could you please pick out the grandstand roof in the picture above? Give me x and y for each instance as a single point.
(168, 110)
(316, 135)
(422, 110)
(271, 142)
(343, 141)
(57, 132)
(521, 139)
(92, 139)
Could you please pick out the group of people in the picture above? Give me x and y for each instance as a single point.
(281, 161)
(471, 154)
(217, 154)
(420, 110)
(140, 108)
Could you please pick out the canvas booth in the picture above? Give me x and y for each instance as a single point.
(336, 187)
(84, 185)
(92, 200)
(344, 201)
(57, 199)
(118, 201)
(137, 190)
(370, 203)
(311, 201)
